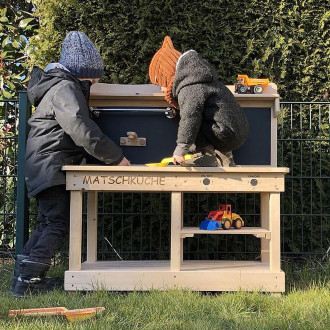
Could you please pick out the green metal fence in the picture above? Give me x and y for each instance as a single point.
(303, 146)
(8, 174)
(136, 225)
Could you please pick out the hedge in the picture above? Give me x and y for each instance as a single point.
(287, 41)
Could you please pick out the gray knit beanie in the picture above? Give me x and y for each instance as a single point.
(80, 56)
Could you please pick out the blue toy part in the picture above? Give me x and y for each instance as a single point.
(209, 225)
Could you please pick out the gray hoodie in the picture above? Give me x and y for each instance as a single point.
(206, 106)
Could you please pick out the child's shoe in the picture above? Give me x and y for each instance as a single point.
(202, 159)
(49, 282)
(225, 159)
(17, 269)
(32, 279)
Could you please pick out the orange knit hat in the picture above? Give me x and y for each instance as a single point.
(162, 66)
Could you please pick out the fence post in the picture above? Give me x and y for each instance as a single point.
(22, 213)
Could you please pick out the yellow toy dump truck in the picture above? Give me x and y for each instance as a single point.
(245, 84)
(222, 218)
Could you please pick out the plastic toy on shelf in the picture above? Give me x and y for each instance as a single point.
(245, 84)
(210, 224)
(222, 218)
(166, 161)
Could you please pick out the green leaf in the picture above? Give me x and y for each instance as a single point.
(30, 27)
(28, 49)
(6, 94)
(16, 76)
(22, 41)
(5, 41)
(8, 26)
(24, 22)
(15, 44)
(11, 85)
(3, 19)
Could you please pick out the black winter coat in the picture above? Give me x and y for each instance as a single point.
(61, 130)
(206, 106)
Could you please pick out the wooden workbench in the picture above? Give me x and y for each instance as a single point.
(264, 275)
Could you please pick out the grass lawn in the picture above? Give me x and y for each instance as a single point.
(305, 305)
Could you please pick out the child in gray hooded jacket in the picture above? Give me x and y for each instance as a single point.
(212, 124)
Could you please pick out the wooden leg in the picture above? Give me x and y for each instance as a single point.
(75, 230)
(176, 226)
(274, 222)
(92, 226)
(264, 220)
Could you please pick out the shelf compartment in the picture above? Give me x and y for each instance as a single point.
(255, 231)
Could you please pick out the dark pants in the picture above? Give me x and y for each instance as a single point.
(54, 224)
(202, 143)
(221, 137)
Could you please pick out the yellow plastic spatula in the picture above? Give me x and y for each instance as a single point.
(166, 161)
(72, 315)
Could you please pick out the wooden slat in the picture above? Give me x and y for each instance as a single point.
(277, 108)
(194, 275)
(103, 90)
(176, 225)
(150, 95)
(186, 265)
(264, 222)
(257, 231)
(100, 90)
(179, 181)
(273, 141)
(92, 226)
(149, 102)
(75, 230)
(274, 224)
(176, 169)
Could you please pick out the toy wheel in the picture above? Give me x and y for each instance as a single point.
(226, 225)
(258, 89)
(238, 223)
(241, 89)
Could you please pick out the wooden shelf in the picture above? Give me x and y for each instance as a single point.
(255, 231)
(148, 95)
(214, 275)
(180, 169)
(240, 179)
(164, 265)
(149, 91)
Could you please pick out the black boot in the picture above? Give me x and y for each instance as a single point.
(225, 159)
(17, 270)
(31, 278)
(202, 159)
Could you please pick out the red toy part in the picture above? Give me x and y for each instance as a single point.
(226, 217)
(218, 214)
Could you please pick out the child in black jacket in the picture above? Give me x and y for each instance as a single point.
(212, 124)
(61, 133)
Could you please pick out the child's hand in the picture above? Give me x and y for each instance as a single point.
(124, 162)
(179, 159)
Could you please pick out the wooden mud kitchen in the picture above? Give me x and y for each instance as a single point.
(257, 173)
